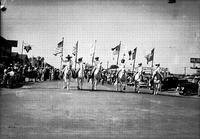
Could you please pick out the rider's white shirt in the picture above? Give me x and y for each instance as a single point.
(67, 64)
(97, 64)
(139, 70)
(122, 66)
(156, 70)
(80, 68)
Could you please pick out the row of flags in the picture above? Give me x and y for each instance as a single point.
(132, 54)
(116, 51)
(59, 49)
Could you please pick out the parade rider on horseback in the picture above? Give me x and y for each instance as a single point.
(80, 72)
(67, 70)
(122, 66)
(97, 65)
(157, 78)
(121, 75)
(96, 73)
(138, 77)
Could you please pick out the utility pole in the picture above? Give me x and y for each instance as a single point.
(185, 70)
(107, 64)
(118, 52)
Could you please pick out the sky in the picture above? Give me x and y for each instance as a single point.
(172, 29)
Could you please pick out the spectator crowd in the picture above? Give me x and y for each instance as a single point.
(18, 74)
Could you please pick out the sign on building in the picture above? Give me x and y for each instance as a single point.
(194, 60)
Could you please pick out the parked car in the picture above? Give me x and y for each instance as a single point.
(169, 83)
(188, 88)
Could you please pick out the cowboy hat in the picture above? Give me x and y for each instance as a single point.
(157, 64)
(68, 57)
(80, 59)
(123, 60)
(96, 58)
(139, 64)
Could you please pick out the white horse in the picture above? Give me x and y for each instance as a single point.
(137, 80)
(96, 77)
(67, 75)
(121, 80)
(80, 77)
(157, 80)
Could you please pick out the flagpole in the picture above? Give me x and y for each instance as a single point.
(94, 52)
(118, 53)
(134, 58)
(152, 62)
(76, 53)
(61, 57)
(22, 50)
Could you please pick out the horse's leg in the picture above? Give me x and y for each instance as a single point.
(95, 84)
(69, 81)
(78, 83)
(117, 84)
(64, 82)
(125, 83)
(135, 86)
(138, 87)
(67, 84)
(92, 84)
(155, 88)
(82, 82)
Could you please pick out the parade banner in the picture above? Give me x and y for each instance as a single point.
(134, 53)
(75, 49)
(150, 56)
(116, 49)
(59, 48)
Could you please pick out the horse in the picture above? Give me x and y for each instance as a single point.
(80, 78)
(67, 75)
(137, 79)
(121, 80)
(157, 80)
(96, 77)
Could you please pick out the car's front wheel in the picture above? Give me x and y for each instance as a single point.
(188, 92)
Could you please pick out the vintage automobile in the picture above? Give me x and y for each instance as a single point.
(169, 83)
(188, 88)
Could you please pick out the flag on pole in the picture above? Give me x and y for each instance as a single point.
(134, 54)
(59, 48)
(116, 49)
(75, 49)
(150, 56)
(91, 50)
(27, 47)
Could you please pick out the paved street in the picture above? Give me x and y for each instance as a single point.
(45, 110)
